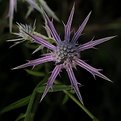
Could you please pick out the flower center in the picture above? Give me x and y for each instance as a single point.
(65, 51)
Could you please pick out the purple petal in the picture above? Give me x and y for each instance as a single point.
(36, 62)
(52, 78)
(92, 43)
(91, 69)
(40, 40)
(68, 25)
(80, 29)
(51, 28)
(74, 82)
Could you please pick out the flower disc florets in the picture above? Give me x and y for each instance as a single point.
(65, 51)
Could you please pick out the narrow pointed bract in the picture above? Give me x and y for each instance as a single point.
(34, 4)
(52, 28)
(38, 5)
(66, 54)
(40, 40)
(67, 27)
(74, 82)
(80, 29)
(36, 62)
(92, 43)
(52, 78)
(91, 69)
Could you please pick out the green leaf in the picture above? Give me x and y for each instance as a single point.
(24, 101)
(33, 103)
(21, 116)
(20, 103)
(66, 98)
(35, 98)
(55, 88)
(35, 73)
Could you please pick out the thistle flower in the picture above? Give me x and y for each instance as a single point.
(22, 36)
(66, 53)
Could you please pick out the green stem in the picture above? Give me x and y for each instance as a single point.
(81, 105)
(32, 106)
(33, 103)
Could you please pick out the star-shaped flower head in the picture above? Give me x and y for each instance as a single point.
(66, 53)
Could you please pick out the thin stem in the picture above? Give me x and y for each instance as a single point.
(33, 103)
(81, 106)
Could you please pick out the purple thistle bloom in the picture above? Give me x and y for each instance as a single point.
(66, 54)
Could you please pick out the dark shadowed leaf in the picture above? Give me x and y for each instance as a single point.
(20, 117)
(35, 73)
(24, 101)
(20, 103)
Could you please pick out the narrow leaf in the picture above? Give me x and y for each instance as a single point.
(35, 73)
(24, 101)
(55, 88)
(20, 117)
(20, 103)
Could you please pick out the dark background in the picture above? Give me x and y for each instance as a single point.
(102, 98)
